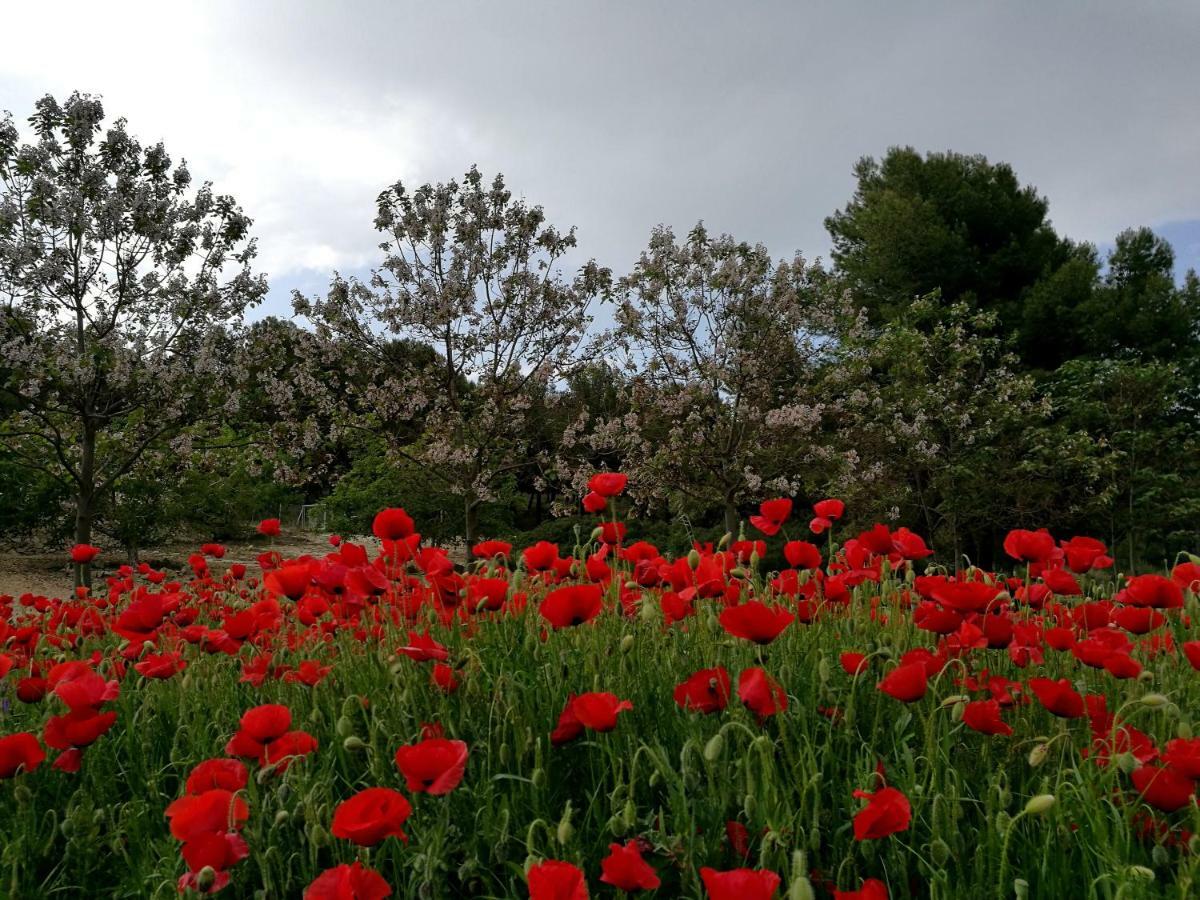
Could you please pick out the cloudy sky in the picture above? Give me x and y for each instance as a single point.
(617, 116)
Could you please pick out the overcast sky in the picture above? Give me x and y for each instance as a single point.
(616, 116)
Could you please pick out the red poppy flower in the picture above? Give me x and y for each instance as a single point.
(370, 816)
(348, 882)
(572, 605)
(259, 726)
(217, 774)
(1183, 755)
(853, 663)
(597, 711)
(594, 503)
(32, 689)
(20, 753)
(706, 691)
(772, 515)
(608, 484)
(82, 554)
(1155, 591)
(161, 665)
(1084, 553)
(212, 812)
(1191, 649)
(1058, 697)
(433, 766)
(541, 556)
(76, 729)
(290, 580)
(555, 880)
(215, 849)
(269, 528)
(444, 678)
(802, 555)
(422, 648)
(491, 549)
(907, 682)
(984, 716)
(288, 747)
(1163, 787)
(761, 693)
(740, 884)
(872, 889)
(887, 812)
(755, 621)
(392, 525)
(625, 869)
(1029, 546)
(909, 544)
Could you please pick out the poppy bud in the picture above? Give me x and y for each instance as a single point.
(597, 533)
(1159, 855)
(565, 829)
(940, 851)
(953, 700)
(725, 539)
(1127, 762)
(1194, 844)
(627, 643)
(1039, 804)
(629, 813)
(1154, 700)
(354, 744)
(714, 748)
(748, 805)
(344, 727)
(186, 684)
(693, 559)
(655, 778)
(737, 572)
(1038, 755)
(281, 817)
(823, 669)
(755, 559)
(504, 752)
(22, 794)
(205, 878)
(631, 586)
(1146, 676)
(1020, 888)
(1184, 730)
(315, 716)
(616, 826)
(1142, 872)
(538, 778)
(317, 835)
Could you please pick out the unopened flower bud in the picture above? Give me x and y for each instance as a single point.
(1038, 754)
(345, 726)
(1154, 700)
(940, 851)
(1039, 804)
(538, 778)
(693, 559)
(714, 748)
(627, 643)
(1142, 872)
(354, 744)
(205, 878)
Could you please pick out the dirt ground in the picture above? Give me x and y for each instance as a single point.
(50, 573)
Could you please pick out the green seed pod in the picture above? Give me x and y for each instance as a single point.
(281, 817)
(629, 813)
(1159, 855)
(940, 851)
(801, 889)
(1154, 700)
(344, 727)
(823, 670)
(205, 878)
(725, 539)
(354, 744)
(1038, 755)
(693, 559)
(565, 829)
(1020, 888)
(1039, 804)
(616, 826)
(714, 748)
(503, 754)
(627, 643)
(1143, 873)
(538, 778)
(748, 805)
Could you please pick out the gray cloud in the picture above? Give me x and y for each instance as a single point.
(618, 116)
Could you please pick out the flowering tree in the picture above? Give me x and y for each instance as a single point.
(117, 282)
(723, 347)
(476, 275)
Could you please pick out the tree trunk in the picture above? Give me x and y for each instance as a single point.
(84, 512)
(731, 518)
(471, 522)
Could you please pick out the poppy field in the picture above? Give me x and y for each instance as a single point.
(799, 711)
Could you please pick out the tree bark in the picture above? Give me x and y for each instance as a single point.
(84, 512)
(471, 522)
(731, 518)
